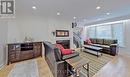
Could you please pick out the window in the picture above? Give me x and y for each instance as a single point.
(91, 32)
(104, 32)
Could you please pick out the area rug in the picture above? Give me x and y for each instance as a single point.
(25, 69)
(96, 63)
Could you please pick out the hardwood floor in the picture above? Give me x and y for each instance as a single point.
(5, 70)
(43, 69)
(118, 67)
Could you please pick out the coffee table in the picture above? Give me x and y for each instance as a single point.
(77, 63)
(94, 48)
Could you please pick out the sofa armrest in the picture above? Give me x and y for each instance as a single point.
(61, 69)
(113, 49)
(74, 54)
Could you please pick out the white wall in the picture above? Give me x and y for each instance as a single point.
(54, 24)
(14, 33)
(36, 27)
(3, 40)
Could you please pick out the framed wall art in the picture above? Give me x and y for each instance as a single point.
(62, 33)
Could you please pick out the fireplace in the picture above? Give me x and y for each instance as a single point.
(64, 43)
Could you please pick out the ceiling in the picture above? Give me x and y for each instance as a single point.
(83, 10)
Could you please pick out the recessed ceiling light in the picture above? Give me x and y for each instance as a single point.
(74, 17)
(108, 13)
(34, 7)
(58, 13)
(98, 7)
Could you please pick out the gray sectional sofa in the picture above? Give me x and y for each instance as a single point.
(58, 68)
(109, 46)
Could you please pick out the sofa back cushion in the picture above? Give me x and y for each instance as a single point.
(99, 41)
(88, 41)
(103, 41)
(108, 42)
(63, 51)
(59, 46)
(93, 40)
(58, 54)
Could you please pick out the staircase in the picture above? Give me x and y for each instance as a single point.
(77, 40)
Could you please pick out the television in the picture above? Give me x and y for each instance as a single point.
(26, 46)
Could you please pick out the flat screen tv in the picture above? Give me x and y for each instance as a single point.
(26, 46)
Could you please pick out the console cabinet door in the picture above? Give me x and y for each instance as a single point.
(26, 55)
(37, 49)
(13, 53)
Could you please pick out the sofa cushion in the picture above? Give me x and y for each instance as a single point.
(66, 51)
(70, 55)
(95, 45)
(98, 45)
(103, 46)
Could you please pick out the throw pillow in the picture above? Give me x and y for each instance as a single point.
(66, 51)
(88, 41)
